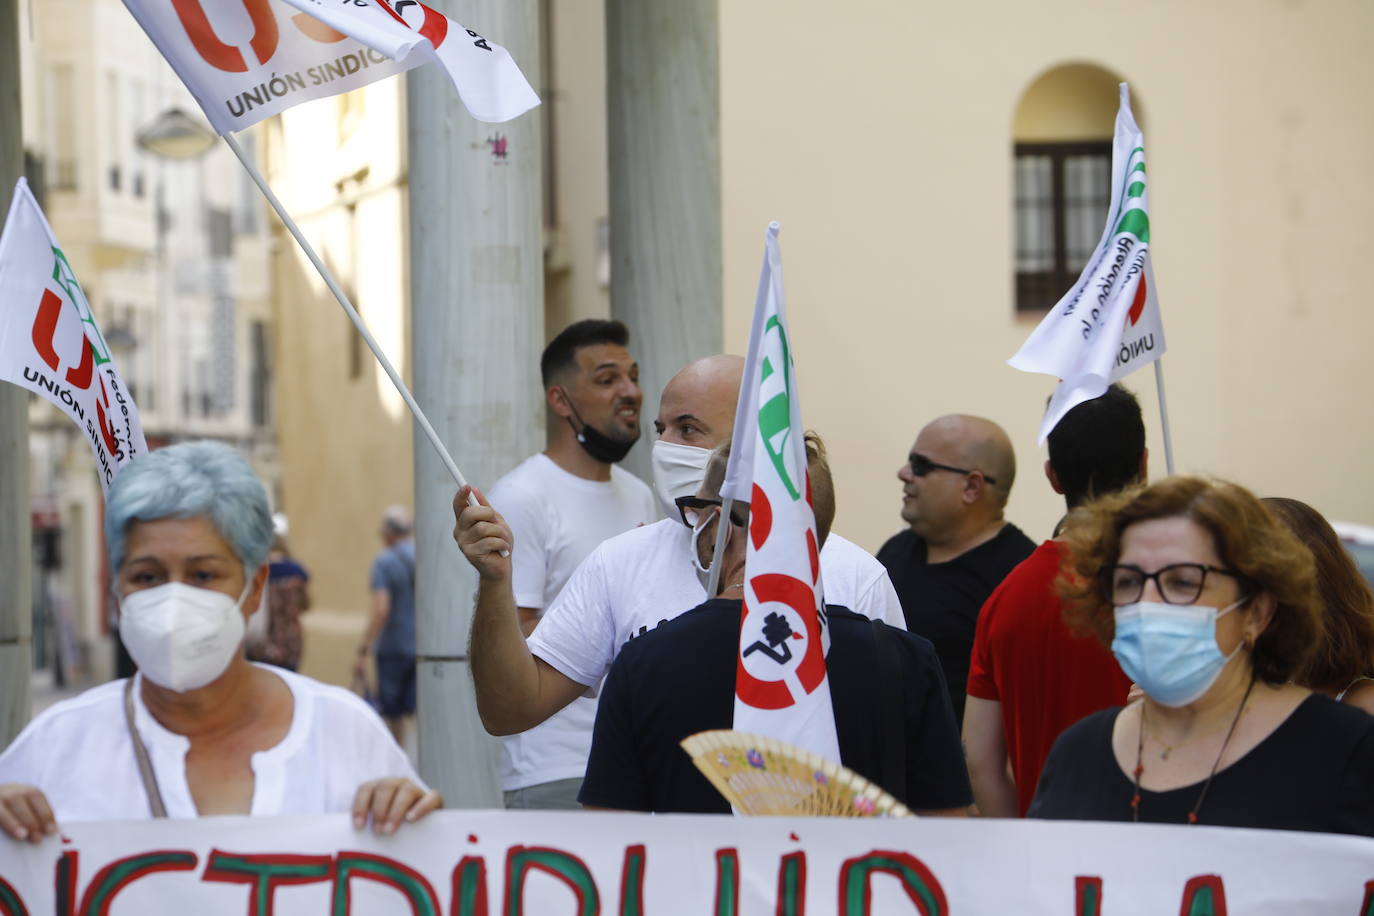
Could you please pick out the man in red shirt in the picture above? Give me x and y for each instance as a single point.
(1030, 677)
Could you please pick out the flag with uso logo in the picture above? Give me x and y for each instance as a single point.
(1108, 324)
(781, 687)
(246, 60)
(49, 342)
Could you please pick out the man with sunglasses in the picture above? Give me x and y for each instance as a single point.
(629, 584)
(955, 484)
(1030, 676)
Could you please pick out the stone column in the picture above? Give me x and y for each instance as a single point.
(16, 544)
(477, 329)
(663, 123)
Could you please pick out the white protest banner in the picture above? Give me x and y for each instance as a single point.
(246, 60)
(516, 863)
(1108, 324)
(50, 344)
(781, 687)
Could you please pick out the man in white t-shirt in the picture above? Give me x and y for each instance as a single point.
(630, 583)
(560, 504)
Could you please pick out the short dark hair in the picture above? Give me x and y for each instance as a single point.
(1096, 448)
(561, 353)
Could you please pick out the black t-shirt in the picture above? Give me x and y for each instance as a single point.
(679, 679)
(941, 600)
(1315, 772)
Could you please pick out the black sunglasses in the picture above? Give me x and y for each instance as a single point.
(690, 507)
(921, 466)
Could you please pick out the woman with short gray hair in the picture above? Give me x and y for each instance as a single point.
(200, 730)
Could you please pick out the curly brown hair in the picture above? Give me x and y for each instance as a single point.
(1248, 539)
(1346, 651)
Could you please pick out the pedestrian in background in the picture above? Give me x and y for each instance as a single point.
(390, 634)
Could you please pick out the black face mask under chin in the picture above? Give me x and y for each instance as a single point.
(597, 444)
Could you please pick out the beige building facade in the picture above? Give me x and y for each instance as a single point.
(884, 138)
(338, 166)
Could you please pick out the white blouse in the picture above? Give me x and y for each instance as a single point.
(78, 752)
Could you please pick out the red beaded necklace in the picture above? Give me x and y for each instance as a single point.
(1140, 768)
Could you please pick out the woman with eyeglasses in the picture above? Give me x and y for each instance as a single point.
(1210, 605)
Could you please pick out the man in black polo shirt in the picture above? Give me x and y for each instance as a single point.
(679, 679)
(955, 484)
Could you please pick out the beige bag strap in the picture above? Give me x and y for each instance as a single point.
(145, 764)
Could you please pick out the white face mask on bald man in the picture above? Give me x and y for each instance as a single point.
(678, 471)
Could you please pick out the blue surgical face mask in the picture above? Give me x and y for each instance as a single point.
(1170, 650)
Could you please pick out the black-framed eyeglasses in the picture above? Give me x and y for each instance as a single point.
(692, 508)
(921, 466)
(1178, 583)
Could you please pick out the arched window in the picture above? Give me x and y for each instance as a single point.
(1062, 160)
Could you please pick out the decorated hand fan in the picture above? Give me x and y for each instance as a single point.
(761, 775)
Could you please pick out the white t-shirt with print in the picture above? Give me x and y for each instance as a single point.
(79, 753)
(558, 519)
(634, 582)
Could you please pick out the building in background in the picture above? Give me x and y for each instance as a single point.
(340, 168)
(939, 180)
(173, 256)
(891, 144)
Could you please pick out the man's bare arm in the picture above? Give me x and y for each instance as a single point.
(986, 750)
(515, 689)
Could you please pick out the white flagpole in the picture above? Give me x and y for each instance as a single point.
(352, 314)
(1164, 416)
(713, 585)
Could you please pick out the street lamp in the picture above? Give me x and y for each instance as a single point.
(176, 135)
(173, 135)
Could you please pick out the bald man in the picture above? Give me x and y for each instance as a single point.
(958, 548)
(630, 583)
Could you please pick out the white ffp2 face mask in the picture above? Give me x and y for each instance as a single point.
(181, 637)
(678, 471)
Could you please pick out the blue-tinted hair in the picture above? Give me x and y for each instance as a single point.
(189, 480)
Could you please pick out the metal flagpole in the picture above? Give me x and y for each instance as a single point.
(1164, 416)
(713, 585)
(352, 314)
